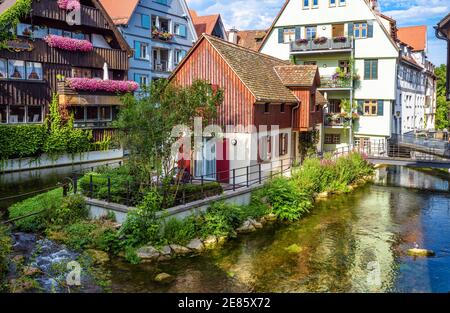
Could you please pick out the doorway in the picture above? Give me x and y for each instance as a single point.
(205, 161)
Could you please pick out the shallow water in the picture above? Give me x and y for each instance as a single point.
(351, 243)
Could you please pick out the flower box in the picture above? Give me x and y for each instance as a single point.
(320, 40)
(69, 44)
(92, 85)
(302, 41)
(161, 35)
(340, 39)
(69, 5)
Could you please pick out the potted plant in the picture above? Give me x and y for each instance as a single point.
(320, 40)
(340, 39)
(302, 41)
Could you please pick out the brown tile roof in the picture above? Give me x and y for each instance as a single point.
(256, 70)
(297, 75)
(251, 39)
(120, 10)
(411, 61)
(320, 99)
(204, 24)
(414, 36)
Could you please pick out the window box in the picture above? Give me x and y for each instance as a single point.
(320, 40)
(92, 85)
(69, 44)
(302, 41)
(161, 35)
(340, 39)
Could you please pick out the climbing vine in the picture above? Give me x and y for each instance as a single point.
(11, 17)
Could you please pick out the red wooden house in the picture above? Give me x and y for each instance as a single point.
(267, 101)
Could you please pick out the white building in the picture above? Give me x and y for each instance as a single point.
(415, 108)
(356, 50)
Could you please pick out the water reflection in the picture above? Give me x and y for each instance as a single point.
(352, 243)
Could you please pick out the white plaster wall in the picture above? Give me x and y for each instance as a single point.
(382, 88)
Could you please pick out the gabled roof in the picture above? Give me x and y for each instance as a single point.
(298, 75)
(251, 39)
(444, 23)
(320, 99)
(204, 24)
(120, 10)
(414, 36)
(254, 69)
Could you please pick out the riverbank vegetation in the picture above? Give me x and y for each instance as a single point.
(65, 220)
(5, 250)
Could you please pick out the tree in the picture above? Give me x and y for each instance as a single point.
(442, 106)
(146, 124)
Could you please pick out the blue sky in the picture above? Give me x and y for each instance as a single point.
(259, 14)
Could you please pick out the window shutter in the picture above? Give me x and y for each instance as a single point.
(297, 33)
(280, 35)
(370, 29)
(360, 107)
(145, 21)
(374, 69)
(380, 110)
(366, 69)
(350, 29)
(137, 49)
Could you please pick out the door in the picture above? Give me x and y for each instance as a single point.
(338, 30)
(205, 163)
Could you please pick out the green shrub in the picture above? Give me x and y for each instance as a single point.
(72, 209)
(286, 200)
(79, 235)
(220, 219)
(48, 202)
(5, 250)
(194, 192)
(181, 231)
(142, 225)
(19, 141)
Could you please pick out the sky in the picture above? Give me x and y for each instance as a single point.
(259, 14)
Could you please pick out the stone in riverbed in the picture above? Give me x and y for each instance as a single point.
(221, 240)
(148, 253)
(31, 271)
(99, 257)
(180, 250)
(163, 278)
(196, 245)
(210, 242)
(246, 227)
(270, 217)
(421, 252)
(166, 250)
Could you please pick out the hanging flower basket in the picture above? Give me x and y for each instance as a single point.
(69, 5)
(320, 40)
(68, 44)
(302, 41)
(92, 85)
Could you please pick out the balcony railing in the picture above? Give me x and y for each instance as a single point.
(339, 83)
(161, 66)
(322, 44)
(89, 16)
(335, 119)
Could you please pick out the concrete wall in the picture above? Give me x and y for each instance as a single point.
(45, 161)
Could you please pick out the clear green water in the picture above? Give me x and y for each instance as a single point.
(351, 243)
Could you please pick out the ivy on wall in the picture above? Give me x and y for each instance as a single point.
(11, 17)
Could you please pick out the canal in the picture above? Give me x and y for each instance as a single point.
(349, 243)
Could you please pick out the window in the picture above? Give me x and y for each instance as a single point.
(34, 71)
(306, 4)
(265, 148)
(344, 66)
(92, 113)
(16, 114)
(3, 68)
(105, 113)
(333, 3)
(141, 79)
(332, 139)
(180, 30)
(288, 34)
(25, 30)
(370, 69)
(54, 31)
(16, 69)
(3, 114)
(360, 30)
(282, 108)
(34, 114)
(311, 32)
(179, 55)
(315, 4)
(370, 107)
(40, 31)
(141, 50)
(78, 113)
(284, 143)
(342, 3)
(145, 21)
(78, 35)
(266, 108)
(67, 34)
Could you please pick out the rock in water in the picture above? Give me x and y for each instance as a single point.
(163, 278)
(166, 250)
(247, 227)
(294, 249)
(196, 245)
(99, 257)
(421, 252)
(180, 250)
(148, 253)
(210, 242)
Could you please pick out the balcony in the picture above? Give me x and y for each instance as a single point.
(71, 97)
(328, 82)
(89, 16)
(161, 66)
(322, 45)
(338, 120)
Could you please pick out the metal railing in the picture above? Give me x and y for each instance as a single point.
(339, 83)
(338, 43)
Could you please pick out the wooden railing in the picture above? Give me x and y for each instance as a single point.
(89, 16)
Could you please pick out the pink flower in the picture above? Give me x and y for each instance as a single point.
(69, 5)
(113, 86)
(68, 44)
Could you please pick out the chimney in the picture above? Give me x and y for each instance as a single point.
(233, 35)
(374, 5)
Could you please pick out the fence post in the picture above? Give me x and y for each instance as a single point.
(75, 184)
(201, 179)
(259, 170)
(234, 179)
(109, 189)
(91, 186)
(248, 176)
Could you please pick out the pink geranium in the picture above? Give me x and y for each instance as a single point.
(68, 44)
(69, 4)
(113, 86)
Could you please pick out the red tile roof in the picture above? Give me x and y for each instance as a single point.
(251, 39)
(204, 24)
(414, 36)
(297, 75)
(120, 10)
